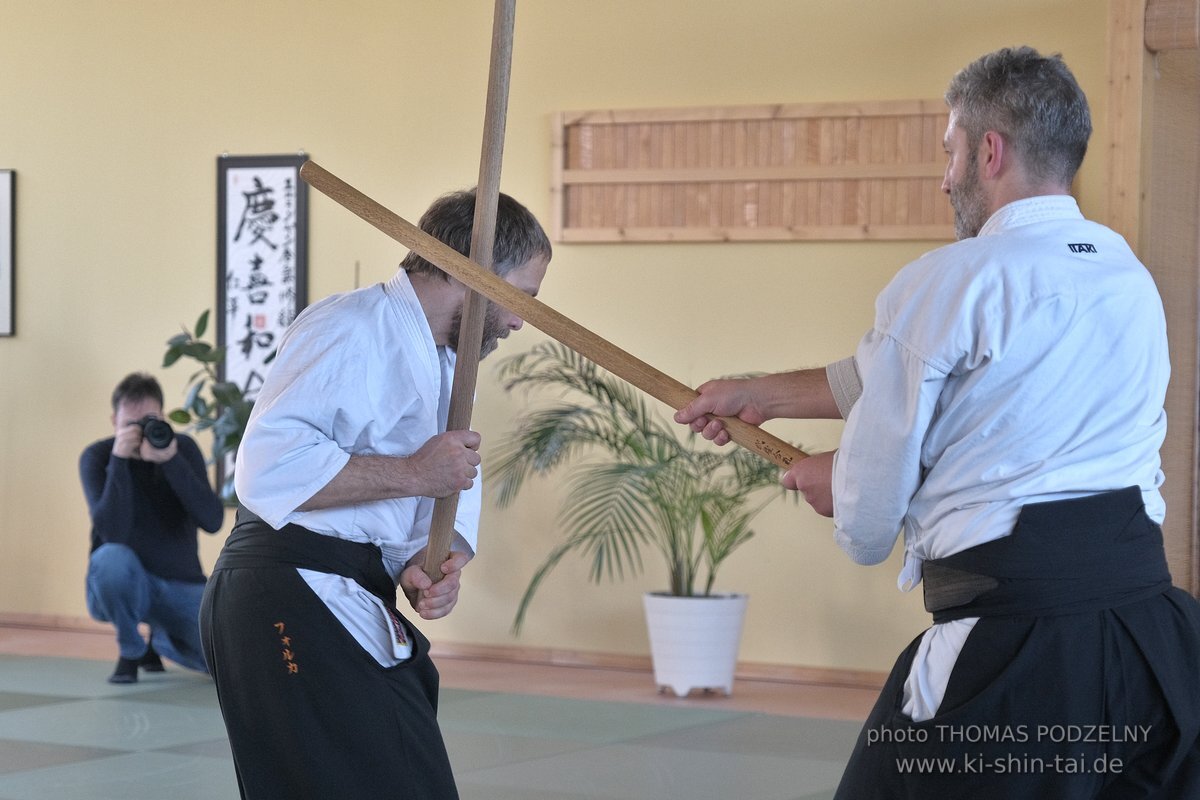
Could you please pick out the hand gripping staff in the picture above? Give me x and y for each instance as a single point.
(554, 324)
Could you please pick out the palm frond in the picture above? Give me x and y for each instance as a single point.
(608, 506)
(547, 438)
(552, 364)
(556, 555)
(633, 482)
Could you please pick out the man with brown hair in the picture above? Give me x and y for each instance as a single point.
(146, 496)
(327, 690)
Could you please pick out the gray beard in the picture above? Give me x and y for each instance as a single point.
(493, 332)
(970, 207)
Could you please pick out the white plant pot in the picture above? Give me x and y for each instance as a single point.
(694, 640)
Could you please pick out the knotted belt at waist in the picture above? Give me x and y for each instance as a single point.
(1063, 557)
(255, 544)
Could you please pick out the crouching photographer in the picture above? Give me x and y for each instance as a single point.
(147, 491)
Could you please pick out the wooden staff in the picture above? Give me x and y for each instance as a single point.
(555, 324)
(483, 237)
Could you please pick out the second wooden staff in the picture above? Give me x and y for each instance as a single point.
(555, 324)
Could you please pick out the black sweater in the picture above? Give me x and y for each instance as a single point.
(153, 508)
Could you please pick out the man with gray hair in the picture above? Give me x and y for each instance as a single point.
(1009, 426)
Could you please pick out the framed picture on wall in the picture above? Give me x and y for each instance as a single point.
(262, 260)
(8, 226)
(262, 263)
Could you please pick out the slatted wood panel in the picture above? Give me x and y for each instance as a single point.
(1172, 25)
(817, 171)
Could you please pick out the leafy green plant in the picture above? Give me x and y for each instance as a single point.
(633, 483)
(211, 404)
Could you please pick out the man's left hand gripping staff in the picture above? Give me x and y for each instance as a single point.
(813, 478)
(433, 600)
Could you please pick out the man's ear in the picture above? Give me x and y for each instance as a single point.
(992, 154)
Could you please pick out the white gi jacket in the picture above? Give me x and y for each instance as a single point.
(356, 373)
(1023, 365)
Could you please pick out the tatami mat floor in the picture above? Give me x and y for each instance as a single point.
(514, 732)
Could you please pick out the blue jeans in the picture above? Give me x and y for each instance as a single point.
(121, 591)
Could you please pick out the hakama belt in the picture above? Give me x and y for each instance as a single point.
(1063, 557)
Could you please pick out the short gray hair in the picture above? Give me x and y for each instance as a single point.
(1031, 100)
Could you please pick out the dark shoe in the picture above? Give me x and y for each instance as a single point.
(151, 662)
(126, 671)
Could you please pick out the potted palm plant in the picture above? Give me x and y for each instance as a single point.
(634, 485)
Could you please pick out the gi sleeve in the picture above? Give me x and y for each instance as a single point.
(844, 383)
(877, 468)
(466, 518)
(289, 451)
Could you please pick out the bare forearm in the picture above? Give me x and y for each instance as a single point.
(445, 464)
(803, 394)
(365, 479)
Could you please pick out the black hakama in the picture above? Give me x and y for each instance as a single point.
(1081, 678)
(310, 713)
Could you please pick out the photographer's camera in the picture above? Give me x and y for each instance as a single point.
(156, 431)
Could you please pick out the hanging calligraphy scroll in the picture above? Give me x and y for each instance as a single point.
(262, 262)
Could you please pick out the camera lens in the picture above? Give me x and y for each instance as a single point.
(157, 432)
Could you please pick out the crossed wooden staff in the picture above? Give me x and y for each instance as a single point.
(475, 273)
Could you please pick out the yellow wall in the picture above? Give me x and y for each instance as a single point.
(113, 112)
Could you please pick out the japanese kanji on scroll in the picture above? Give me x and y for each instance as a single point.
(262, 261)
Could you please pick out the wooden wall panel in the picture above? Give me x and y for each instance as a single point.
(1171, 251)
(1172, 25)
(817, 171)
